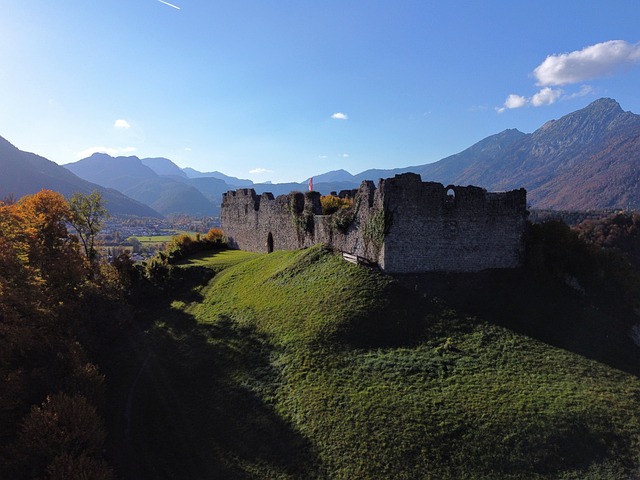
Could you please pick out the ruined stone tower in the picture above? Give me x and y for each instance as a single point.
(404, 225)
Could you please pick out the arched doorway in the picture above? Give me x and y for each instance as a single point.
(269, 243)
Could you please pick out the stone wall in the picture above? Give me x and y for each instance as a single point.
(262, 223)
(404, 225)
(451, 228)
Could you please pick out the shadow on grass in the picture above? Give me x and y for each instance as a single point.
(398, 323)
(196, 402)
(554, 313)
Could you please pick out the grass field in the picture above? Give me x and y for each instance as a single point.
(158, 240)
(300, 365)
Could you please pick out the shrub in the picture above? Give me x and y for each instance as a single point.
(331, 204)
(342, 210)
(180, 244)
(216, 236)
(183, 245)
(62, 425)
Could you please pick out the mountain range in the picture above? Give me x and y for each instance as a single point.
(587, 159)
(168, 192)
(25, 173)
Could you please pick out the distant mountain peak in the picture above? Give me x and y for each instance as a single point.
(333, 176)
(604, 104)
(601, 110)
(586, 125)
(105, 156)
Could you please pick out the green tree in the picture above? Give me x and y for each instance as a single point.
(88, 214)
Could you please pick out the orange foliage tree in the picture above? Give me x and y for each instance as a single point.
(43, 292)
(54, 252)
(17, 277)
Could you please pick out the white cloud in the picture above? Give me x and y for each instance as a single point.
(260, 170)
(345, 155)
(340, 116)
(546, 96)
(114, 152)
(120, 123)
(513, 101)
(594, 61)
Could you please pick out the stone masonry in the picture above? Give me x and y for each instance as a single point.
(404, 225)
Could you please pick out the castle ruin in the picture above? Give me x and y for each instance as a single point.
(404, 225)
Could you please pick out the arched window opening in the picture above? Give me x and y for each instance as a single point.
(269, 243)
(450, 197)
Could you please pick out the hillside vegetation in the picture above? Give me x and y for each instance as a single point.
(57, 303)
(300, 365)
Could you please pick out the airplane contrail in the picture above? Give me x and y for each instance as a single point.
(170, 4)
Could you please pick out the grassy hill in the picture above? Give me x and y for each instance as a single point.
(300, 365)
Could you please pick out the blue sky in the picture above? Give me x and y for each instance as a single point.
(282, 90)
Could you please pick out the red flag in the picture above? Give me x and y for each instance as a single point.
(311, 184)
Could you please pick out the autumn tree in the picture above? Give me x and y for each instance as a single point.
(16, 275)
(63, 435)
(88, 214)
(49, 310)
(52, 250)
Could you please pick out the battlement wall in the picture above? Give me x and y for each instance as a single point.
(451, 228)
(404, 225)
(262, 223)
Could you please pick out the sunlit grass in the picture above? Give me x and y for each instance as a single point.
(218, 260)
(295, 296)
(157, 240)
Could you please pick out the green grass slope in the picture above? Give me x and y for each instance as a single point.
(300, 365)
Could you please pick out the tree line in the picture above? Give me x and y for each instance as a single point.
(53, 291)
(62, 305)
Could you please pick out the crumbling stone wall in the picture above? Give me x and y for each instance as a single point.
(262, 223)
(404, 225)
